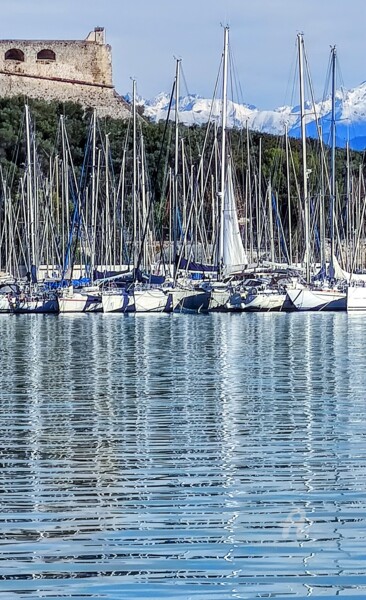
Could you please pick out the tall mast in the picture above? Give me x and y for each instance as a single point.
(144, 207)
(134, 191)
(176, 158)
(259, 209)
(270, 216)
(65, 197)
(321, 214)
(288, 196)
(300, 42)
(223, 147)
(348, 198)
(30, 195)
(332, 166)
(107, 233)
(248, 203)
(93, 195)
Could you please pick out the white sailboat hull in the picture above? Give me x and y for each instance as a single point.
(94, 303)
(263, 301)
(76, 302)
(186, 300)
(219, 300)
(4, 305)
(356, 299)
(306, 299)
(36, 305)
(118, 302)
(154, 300)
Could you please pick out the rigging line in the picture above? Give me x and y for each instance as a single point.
(350, 124)
(293, 76)
(320, 140)
(155, 185)
(212, 107)
(124, 153)
(233, 71)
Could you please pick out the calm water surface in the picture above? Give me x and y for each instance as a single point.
(183, 457)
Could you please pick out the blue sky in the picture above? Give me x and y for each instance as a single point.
(146, 35)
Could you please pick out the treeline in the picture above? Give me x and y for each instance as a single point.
(254, 155)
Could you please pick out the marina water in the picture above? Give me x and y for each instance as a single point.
(183, 456)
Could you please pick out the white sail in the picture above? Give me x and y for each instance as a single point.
(340, 273)
(234, 257)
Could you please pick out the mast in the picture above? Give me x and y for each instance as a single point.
(332, 166)
(248, 195)
(321, 215)
(93, 195)
(30, 195)
(288, 195)
(146, 235)
(300, 42)
(223, 149)
(107, 233)
(176, 158)
(65, 199)
(259, 208)
(134, 191)
(348, 200)
(270, 216)
(184, 196)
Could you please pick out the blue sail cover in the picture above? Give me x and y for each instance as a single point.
(129, 276)
(107, 274)
(186, 265)
(58, 285)
(142, 277)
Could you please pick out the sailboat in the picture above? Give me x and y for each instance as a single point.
(232, 291)
(324, 295)
(138, 293)
(32, 298)
(231, 258)
(356, 288)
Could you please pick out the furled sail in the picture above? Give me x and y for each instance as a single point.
(340, 273)
(234, 257)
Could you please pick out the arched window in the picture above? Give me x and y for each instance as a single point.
(14, 54)
(46, 55)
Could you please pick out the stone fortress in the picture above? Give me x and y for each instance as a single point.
(63, 70)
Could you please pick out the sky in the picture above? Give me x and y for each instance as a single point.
(147, 36)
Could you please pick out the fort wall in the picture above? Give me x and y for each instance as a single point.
(72, 70)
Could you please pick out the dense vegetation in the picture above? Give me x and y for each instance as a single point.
(246, 148)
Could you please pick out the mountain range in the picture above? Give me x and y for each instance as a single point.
(350, 115)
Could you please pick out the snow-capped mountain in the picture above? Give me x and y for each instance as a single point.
(350, 115)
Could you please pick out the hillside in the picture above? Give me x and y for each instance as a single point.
(158, 142)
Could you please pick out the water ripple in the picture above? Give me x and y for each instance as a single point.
(177, 456)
